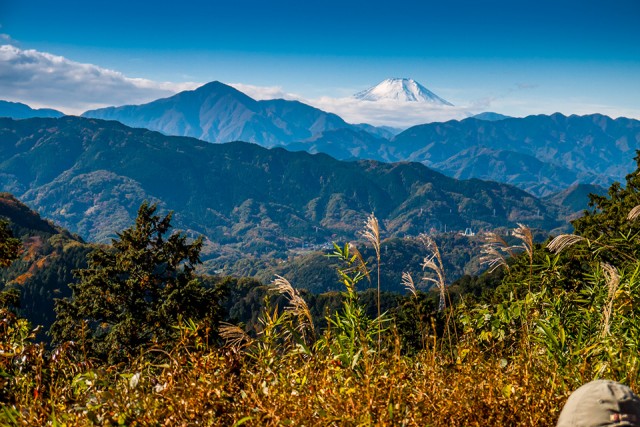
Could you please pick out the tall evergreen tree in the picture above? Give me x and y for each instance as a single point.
(10, 248)
(9, 245)
(14, 331)
(134, 292)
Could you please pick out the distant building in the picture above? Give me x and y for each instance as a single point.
(468, 232)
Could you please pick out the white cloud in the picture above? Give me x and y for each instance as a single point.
(6, 39)
(41, 79)
(389, 112)
(352, 110)
(265, 92)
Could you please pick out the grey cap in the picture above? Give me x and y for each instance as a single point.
(601, 403)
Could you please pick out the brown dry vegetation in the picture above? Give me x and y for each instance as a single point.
(214, 387)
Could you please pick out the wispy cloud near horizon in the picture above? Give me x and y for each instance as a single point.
(379, 113)
(41, 79)
(265, 92)
(393, 113)
(45, 80)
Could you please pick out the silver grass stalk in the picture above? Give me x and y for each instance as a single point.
(634, 213)
(434, 262)
(494, 252)
(234, 336)
(613, 281)
(297, 305)
(432, 246)
(495, 240)
(526, 237)
(372, 234)
(407, 282)
(493, 258)
(440, 283)
(563, 241)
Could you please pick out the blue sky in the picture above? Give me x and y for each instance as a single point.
(515, 57)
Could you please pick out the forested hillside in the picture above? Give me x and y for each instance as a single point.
(44, 269)
(90, 176)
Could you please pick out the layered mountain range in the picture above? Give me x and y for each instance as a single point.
(540, 154)
(91, 175)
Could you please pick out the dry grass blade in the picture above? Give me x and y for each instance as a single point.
(613, 281)
(563, 241)
(297, 305)
(407, 282)
(634, 213)
(234, 336)
(361, 264)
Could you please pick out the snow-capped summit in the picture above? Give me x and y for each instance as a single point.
(398, 89)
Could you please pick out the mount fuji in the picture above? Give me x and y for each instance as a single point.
(400, 89)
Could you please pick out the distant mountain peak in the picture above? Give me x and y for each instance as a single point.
(216, 86)
(18, 110)
(490, 116)
(217, 112)
(400, 89)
